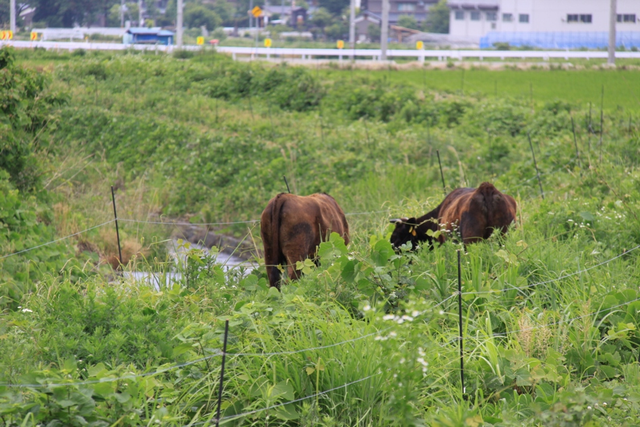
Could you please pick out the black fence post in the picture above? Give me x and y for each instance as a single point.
(575, 142)
(115, 216)
(460, 328)
(224, 358)
(535, 164)
(444, 187)
(286, 182)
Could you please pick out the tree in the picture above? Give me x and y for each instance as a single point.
(66, 13)
(225, 11)
(438, 18)
(196, 16)
(321, 19)
(408, 21)
(373, 31)
(335, 7)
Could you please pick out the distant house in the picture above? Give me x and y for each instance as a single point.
(363, 21)
(544, 23)
(296, 18)
(419, 9)
(155, 35)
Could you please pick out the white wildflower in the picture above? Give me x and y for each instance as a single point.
(415, 313)
(366, 307)
(421, 351)
(407, 318)
(388, 317)
(26, 310)
(392, 334)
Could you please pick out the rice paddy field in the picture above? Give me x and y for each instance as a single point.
(369, 337)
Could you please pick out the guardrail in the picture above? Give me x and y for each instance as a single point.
(339, 54)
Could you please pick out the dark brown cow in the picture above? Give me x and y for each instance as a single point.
(293, 226)
(475, 211)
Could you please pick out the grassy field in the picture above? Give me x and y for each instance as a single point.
(367, 338)
(621, 91)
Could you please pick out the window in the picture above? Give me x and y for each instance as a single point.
(459, 15)
(406, 7)
(507, 17)
(523, 18)
(491, 16)
(475, 16)
(586, 19)
(627, 17)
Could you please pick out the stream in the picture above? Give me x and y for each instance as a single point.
(178, 253)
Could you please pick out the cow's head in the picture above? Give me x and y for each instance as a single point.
(406, 231)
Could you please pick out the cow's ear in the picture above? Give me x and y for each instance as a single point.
(395, 220)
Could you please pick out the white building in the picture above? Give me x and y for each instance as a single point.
(572, 23)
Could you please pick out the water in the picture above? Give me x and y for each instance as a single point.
(178, 252)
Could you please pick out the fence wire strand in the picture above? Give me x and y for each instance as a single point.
(300, 399)
(108, 380)
(497, 291)
(57, 240)
(561, 322)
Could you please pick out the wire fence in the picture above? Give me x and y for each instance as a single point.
(170, 223)
(532, 285)
(58, 240)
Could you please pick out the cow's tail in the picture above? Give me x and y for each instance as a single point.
(273, 257)
(490, 194)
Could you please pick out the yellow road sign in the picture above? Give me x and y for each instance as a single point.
(3, 35)
(256, 12)
(34, 35)
(419, 45)
(267, 42)
(340, 44)
(200, 41)
(10, 34)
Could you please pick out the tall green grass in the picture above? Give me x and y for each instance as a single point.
(550, 336)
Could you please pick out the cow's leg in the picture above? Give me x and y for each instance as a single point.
(472, 227)
(296, 247)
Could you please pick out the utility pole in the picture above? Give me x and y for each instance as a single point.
(140, 23)
(179, 25)
(12, 18)
(612, 33)
(384, 31)
(121, 13)
(352, 27)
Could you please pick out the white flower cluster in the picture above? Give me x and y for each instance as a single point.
(398, 319)
(392, 334)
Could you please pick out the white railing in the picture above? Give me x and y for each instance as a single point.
(340, 54)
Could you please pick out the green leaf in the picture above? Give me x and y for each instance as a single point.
(587, 216)
(287, 412)
(382, 251)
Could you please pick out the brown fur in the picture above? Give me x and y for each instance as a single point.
(475, 211)
(293, 226)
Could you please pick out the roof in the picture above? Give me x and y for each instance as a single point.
(165, 33)
(474, 5)
(143, 30)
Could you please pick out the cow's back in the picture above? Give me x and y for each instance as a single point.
(293, 226)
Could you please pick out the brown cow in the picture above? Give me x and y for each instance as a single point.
(476, 213)
(293, 226)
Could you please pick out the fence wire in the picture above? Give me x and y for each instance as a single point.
(244, 414)
(560, 322)
(497, 291)
(57, 240)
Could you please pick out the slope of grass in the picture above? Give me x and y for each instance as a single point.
(549, 312)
